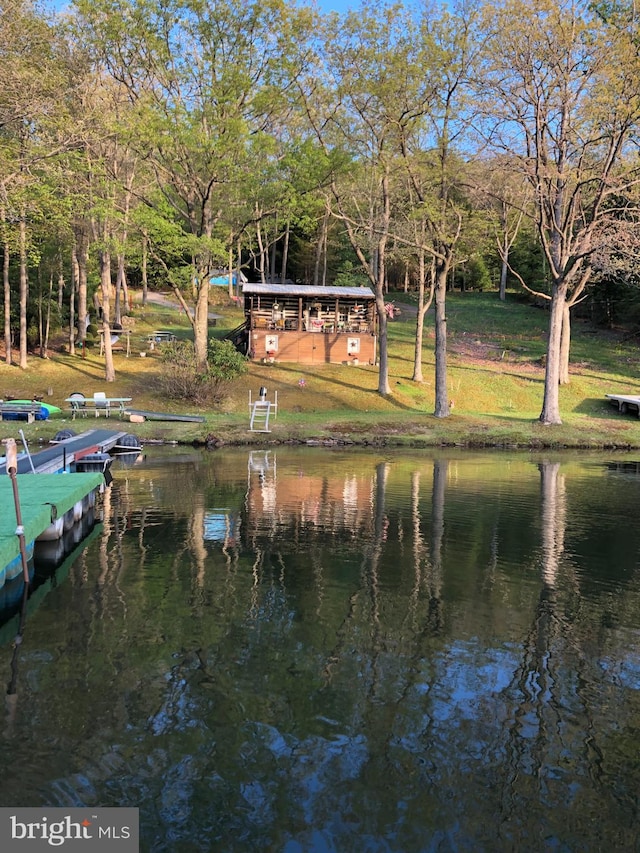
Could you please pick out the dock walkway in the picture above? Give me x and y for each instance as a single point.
(43, 499)
(57, 457)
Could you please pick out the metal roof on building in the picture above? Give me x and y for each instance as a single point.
(306, 290)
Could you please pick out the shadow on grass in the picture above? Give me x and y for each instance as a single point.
(297, 369)
(598, 408)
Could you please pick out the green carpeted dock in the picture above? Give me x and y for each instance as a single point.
(43, 498)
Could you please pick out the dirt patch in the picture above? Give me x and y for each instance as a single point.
(489, 354)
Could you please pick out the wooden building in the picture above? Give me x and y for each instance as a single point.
(299, 323)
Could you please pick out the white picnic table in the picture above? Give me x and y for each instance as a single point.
(99, 403)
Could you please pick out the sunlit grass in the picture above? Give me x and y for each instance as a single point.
(495, 382)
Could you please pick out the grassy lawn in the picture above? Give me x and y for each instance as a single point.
(495, 378)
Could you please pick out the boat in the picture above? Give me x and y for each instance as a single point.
(52, 410)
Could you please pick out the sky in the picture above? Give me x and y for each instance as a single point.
(336, 5)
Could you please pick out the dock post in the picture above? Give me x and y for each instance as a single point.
(12, 470)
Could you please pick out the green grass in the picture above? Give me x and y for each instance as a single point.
(495, 380)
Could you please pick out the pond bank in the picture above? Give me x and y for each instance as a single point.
(621, 433)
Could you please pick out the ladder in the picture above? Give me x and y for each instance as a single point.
(260, 416)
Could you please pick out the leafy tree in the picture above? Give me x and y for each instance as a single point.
(432, 204)
(183, 378)
(33, 76)
(364, 100)
(205, 80)
(562, 94)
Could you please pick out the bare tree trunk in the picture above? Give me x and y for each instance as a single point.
(122, 290)
(271, 256)
(285, 252)
(105, 283)
(383, 377)
(261, 254)
(117, 309)
(565, 346)
(40, 317)
(24, 292)
(503, 274)
(44, 353)
(442, 407)
(321, 249)
(60, 289)
(423, 306)
(551, 403)
(82, 254)
(325, 254)
(381, 281)
(145, 254)
(7, 297)
(230, 271)
(239, 266)
(201, 322)
(72, 301)
(505, 241)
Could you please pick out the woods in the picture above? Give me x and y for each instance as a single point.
(407, 147)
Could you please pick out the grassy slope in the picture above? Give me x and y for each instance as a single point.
(495, 379)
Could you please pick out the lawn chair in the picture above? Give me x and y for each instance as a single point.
(100, 403)
(78, 404)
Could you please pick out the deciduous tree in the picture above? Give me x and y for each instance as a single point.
(562, 91)
(371, 91)
(206, 80)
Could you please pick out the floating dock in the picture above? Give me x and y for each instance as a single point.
(61, 455)
(53, 496)
(49, 505)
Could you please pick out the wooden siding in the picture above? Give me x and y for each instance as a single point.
(313, 347)
(312, 329)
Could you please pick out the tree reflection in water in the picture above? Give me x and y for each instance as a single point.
(344, 651)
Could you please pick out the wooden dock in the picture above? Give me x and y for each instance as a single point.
(625, 403)
(59, 456)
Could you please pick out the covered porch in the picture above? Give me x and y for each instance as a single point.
(298, 323)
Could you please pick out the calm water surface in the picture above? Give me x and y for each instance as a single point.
(312, 650)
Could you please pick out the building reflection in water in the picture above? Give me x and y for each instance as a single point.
(419, 645)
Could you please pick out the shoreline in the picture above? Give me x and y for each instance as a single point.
(620, 436)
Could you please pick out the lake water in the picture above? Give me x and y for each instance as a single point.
(328, 650)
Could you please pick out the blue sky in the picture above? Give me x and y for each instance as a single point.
(336, 5)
